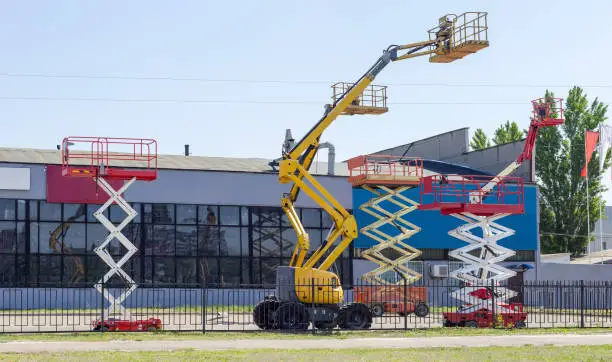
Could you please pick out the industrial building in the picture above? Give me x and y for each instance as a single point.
(214, 219)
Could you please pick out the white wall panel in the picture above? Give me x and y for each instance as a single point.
(12, 178)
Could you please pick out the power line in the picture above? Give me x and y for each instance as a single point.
(279, 81)
(254, 101)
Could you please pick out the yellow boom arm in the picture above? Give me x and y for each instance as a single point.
(294, 167)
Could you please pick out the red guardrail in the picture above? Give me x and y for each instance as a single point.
(109, 157)
(465, 193)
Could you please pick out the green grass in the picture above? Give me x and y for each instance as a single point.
(527, 353)
(431, 332)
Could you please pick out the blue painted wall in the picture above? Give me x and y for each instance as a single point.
(435, 227)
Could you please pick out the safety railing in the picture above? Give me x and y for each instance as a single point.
(475, 194)
(374, 96)
(467, 27)
(548, 109)
(381, 169)
(93, 156)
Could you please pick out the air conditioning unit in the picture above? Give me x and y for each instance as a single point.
(439, 270)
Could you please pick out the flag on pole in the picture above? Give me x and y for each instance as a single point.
(590, 141)
(605, 140)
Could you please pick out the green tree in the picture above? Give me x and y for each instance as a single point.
(480, 140)
(507, 133)
(560, 158)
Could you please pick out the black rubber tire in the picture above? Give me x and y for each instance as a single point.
(263, 314)
(471, 324)
(421, 310)
(293, 316)
(520, 324)
(326, 326)
(378, 310)
(355, 316)
(448, 323)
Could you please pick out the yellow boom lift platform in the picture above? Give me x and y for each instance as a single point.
(306, 291)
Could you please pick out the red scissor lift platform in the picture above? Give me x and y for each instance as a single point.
(479, 200)
(454, 194)
(110, 158)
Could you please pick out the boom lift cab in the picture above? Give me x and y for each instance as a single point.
(306, 290)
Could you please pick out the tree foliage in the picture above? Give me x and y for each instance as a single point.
(560, 157)
(480, 140)
(507, 133)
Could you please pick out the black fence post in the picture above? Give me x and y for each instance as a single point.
(581, 303)
(204, 301)
(405, 303)
(493, 305)
(312, 298)
(102, 307)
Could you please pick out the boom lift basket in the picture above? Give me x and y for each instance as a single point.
(373, 99)
(468, 34)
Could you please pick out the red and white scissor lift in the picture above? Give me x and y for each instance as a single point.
(481, 201)
(104, 159)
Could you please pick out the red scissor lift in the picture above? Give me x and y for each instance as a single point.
(464, 197)
(480, 201)
(104, 159)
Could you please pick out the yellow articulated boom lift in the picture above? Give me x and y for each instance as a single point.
(306, 290)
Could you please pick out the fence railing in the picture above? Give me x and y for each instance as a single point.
(205, 308)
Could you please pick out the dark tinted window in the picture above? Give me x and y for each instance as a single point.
(7, 209)
(50, 212)
(186, 214)
(208, 215)
(229, 215)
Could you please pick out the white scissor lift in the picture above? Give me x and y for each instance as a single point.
(481, 201)
(109, 161)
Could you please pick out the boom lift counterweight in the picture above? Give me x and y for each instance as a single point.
(306, 289)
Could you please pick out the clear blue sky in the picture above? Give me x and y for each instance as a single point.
(534, 45)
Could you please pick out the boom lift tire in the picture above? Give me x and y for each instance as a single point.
(355, 316)
(421, 310)
(263, 314)
(471, 324)
(292, 315)
(377, 310)
(325, 325)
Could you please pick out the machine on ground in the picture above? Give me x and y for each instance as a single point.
(104, 159)
(480, 201)
(388, 179)
(306, 290)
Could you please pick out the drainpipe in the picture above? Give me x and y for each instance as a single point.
(331, 157)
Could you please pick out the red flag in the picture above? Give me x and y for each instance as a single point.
(590, 141)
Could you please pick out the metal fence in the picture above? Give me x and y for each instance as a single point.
(206, 308)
